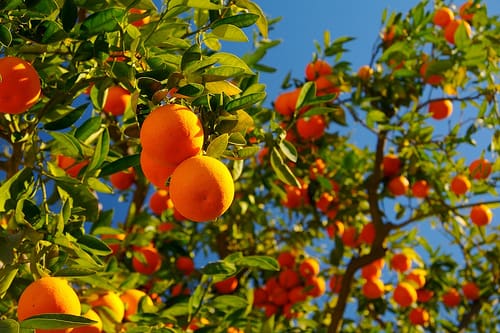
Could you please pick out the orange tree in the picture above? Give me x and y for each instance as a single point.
(321, 231)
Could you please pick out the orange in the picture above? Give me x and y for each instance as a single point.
(318, 167)
(391, 165)
(471, 291)
(335, 228)
(325, 201)
(116, 100)
(286, 259)
(371, 271)
(154, 171)
(365, 72)
(398, 185)
(466, 12)
(388, 35)
(185, 265)
(367, 234)
(440, 109)
(335, 283)
(424, 295)
(20, 85)
(288, 278)
(451, 298)
(293, 197)
(400, 262)
(416, 277)
(115, 242)
(451, 29)
(460, 185)
(201, 188)
(131, 299)
(373, 288)
(259, 296)
(317, 68)
(48, 295)
(226, 286)
(404, 294)
(481, 215)
(158, 202)
(420, 189)
(443, 16)
(325, 86)
(149, 262)
(350, 237)
(278, 296)
(70, 165)
(94, 328)
(315, 286)
(297, 294)
(122, 180)
(270, 309)
(419, 316)
(432, 79)
(142, 21)
(480, 168)
(111, 305)
(285, 102)
(311, 128)
(171, 133)
(309, 267)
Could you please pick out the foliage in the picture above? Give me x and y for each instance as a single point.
(294, 192)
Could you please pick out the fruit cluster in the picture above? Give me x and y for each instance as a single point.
(295, 283)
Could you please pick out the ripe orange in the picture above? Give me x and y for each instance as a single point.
(318, 167)
(48, 295)
(335, 283)
(373, 288)
(388, 35)
(391, 165)
(156, 172)
(451, 29)
(185, 265)
(297, 294)
(419, 316)
(122, 180)
(367, 234)
(371, 271)
(20, 85)
(293, 197)
(471, 291)
(226, 286)
(317, 68)
(443, 16)
(325, 202)
(416, 277)
(481, 215)
(278, 296)
(93, 328)
(432, 79)
(171, 133)
(325, 86)
(116, 100)
(142, 21)
(480, 168)
(288, 278)
(311, 128)
(365, 72)
(285, 102)
(309, 267)
(201, 188)
(335, 228)
(286, 259)
(115, 241)
(131, 299)
(440, 109)
(158, 202)
(460, 185)
(109, 305)
(398, 185)
(451, 298)
(404, 294)
(259, 296)
(70, 165)
(400, 262)
(350, 237)
(424, 295)
(466, 11)
(315, 286)
(149, 262)
(420, 189)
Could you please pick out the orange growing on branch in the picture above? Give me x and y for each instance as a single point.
(373, 288)
(398, 185)
(131, 299)
(443, 16)
(142, 21)
(460, 185)
(116, 100)
(400, 262)
(70, 165)
(480, 168)
(419, 316)
(440, 109)
(154, 171)
(471, 290)
(391, 165)
(451, 298)
(286, 259)
(420, 189)
(467, 10)
(311, 128)
(452, 27)
(226, 286)
(405, 294)
(108, 304)
(481, 215)
(317, 68)
(148, 260)
(93, 328)
(185, 265)
(123, 180)
(309, 267)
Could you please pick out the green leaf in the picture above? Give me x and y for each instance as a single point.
(307, 93)
(281, 169)
(241, 20)
(74, 272)
(83, 199)
(67, 120)
(55, 321)
(288, 149)
(9, 326)
(237, 138)
(203, 4)
(94, 245)
(7, 275)
(336, 113)
(120, 165)
(261, 262)
(229, 59)
(219, 268)
(193, 54)
(191, 90)
(100, 152)
(14, 187)
(88, 128)
(229, 302)
(5, 35)
(375, 116)
(217, 147)
(97, 185)
(65, 144)
(247, 152)
(107, 20)
(253, 8)
(222, 73)
(230, 33)
(68, 15)
(245, 101)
